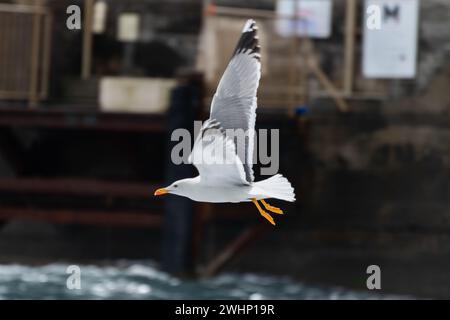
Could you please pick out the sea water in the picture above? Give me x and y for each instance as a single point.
(143, 280)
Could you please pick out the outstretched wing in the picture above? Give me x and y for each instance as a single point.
(214, 156)
(234, 103)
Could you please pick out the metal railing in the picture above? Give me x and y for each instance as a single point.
(25, 35)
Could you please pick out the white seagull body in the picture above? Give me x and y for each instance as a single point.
(224, 166)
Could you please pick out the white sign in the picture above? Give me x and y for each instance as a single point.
(311, 18)
(390, 38)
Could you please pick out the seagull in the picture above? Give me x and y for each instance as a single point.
(225, 166)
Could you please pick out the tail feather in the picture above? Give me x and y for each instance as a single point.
(276, 187)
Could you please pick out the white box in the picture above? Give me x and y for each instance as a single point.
(126, 94)
(128, 27)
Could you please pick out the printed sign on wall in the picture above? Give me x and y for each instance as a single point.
(390, 44)
(313, 18)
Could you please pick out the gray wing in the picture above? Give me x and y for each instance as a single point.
(214, 156)
(234, 103)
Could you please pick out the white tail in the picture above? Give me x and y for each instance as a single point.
(276, 187)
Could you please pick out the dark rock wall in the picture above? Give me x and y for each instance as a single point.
(376, 186)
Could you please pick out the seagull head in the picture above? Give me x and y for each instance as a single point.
(179, 187)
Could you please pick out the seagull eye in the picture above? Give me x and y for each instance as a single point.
(175, 186)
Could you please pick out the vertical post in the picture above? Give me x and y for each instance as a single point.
(303, 46)
(46, 55)
(87, 40)
(128, 58)
(178, 249)
(350, 21)
(293, 77)
(34, 74)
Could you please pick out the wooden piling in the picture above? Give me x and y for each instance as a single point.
(178, 229)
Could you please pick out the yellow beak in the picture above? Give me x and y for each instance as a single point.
(160, 192)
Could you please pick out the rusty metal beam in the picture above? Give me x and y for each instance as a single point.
(78, 118)
(77, 187)
(61, 117)
(233, 249)
(333, 91)
(88, 217)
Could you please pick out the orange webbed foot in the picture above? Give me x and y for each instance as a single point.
(271, 208)
(263, 213)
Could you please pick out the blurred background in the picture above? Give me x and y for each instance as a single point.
(91, 90)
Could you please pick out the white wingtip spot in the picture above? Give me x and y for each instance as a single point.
(248, 25)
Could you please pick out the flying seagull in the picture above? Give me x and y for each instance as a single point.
(225, 166)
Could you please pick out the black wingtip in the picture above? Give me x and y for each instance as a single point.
(249, 40)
